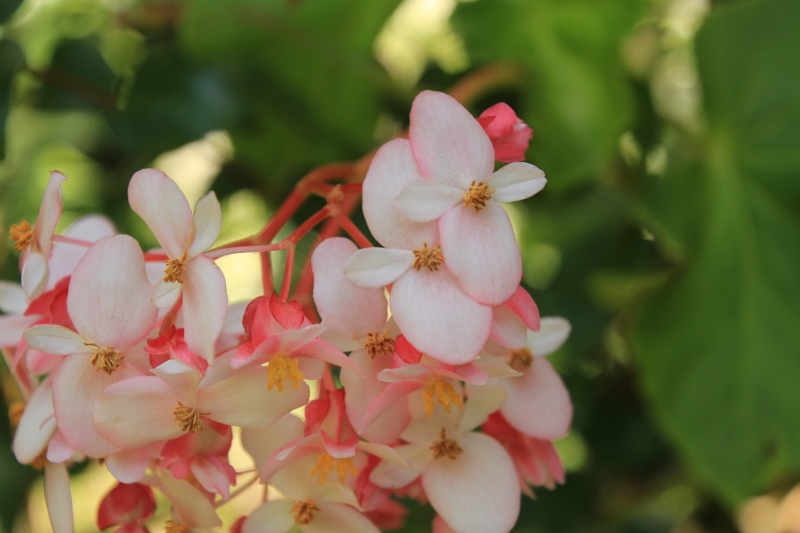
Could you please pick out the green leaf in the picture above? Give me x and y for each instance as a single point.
(718, 348)
(577, 97)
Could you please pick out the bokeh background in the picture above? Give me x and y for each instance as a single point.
(668, 233)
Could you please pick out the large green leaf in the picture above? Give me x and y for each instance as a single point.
(718, 348)
(577, 97)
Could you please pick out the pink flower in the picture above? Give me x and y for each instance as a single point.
(509, 135)
(184, 236)
(126, 506)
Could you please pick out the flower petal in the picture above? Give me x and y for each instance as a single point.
(339, 517)
(205, 302)
(109, 295)
(207, 222)
(424, 200)
(66, 256)
(37, 425)
(164, 208)
(49, 213)
(480, 249)
(478, 491)
(507, 328)
(34, 275)
(393, 475)
(58, 497)
(12, 328)
(377, 267)
(553, 333)
(56, 340)
(538, 403)
(12, 298)
(516, 181)
(274, 516)
(437, 317)
(392, 168)
(449, 144)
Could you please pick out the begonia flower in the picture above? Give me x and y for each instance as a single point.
(184, 235)
(510, 136)
(127, 506)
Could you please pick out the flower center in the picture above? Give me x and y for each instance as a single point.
(445, 447)
(22, 234)
(378, 344)
(281, 368)
(175, 527)
(478, 194)
(175, 268)
(326, 464)
(189, 418)
(428, 257)
(521, 359)
(106, 359)
(303, 512)
(442, 393)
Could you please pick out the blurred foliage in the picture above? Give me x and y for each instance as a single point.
(668, 234)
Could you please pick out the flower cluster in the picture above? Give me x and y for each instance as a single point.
(426, 358)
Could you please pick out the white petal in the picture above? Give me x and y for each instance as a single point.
(378, 267)
(165, 294)
(424, 200)
(205, 302)
(37, 425)
(516, 181)
(56, 340)
(538, 402)
(271, 517)
(12, 298)
(58, 497)
(339, 517)
(35, 272)
(164, 208)
(207, 221)
(507, 328)
(12, 328)
(391, 475)
(550, 337)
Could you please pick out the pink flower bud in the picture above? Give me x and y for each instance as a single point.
(509, 135)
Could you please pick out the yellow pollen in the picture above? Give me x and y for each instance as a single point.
(175, 527)
(303, 512)
(175, 269)
(521, 359)
(442, 392)
(445, 447)
(22, 234)
(188, 418)
(378, 344)
(477, 195)
(281, 368)
(428, 257)
(326, 464)
(106, 359)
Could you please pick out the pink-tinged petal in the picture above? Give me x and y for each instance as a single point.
(66, 256)
(449, 144)
(525, 308)
(59, 450)
(58, 497)
(49, 213)
(377, 267)
(322, 351)
(507, 328)
(510, 136)
(181, 377)
(129, 466)
(391, 169)
(338, 333)
(516, 181)
(165, 294)
(109, 295)
(190, 505)
(293, 339)
(243, 400)
(437, 317)
(481, 403)
(152, 420)
(261, 443)
(56, 340)
(76, 388)
(480, 249)
(552, 335)
(406, 351)
(207, 221)
(211, 477)
(339, 517)
(477, 492)
(164, 208)
(35, 273)
(271, 517)
(538, 402)
(424, 199)
(471, 373)
(37, 425)
(205, 302)
(12, 298)
(393, 475)
(392, 394)
(12, 328)
(496, 369)
(362, 310)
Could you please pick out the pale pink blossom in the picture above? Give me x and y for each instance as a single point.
(510, 136)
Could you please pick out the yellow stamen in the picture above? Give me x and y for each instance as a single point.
(189, 418)
(442, 392)
(445, 447)
(326, 464)
(378, 344)
(428, 257)
(281, 368)
(478, 194)
(303, 512)
(173, 526)
(175, 268)
(106, 359)
(22, 234)
(521, 359)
